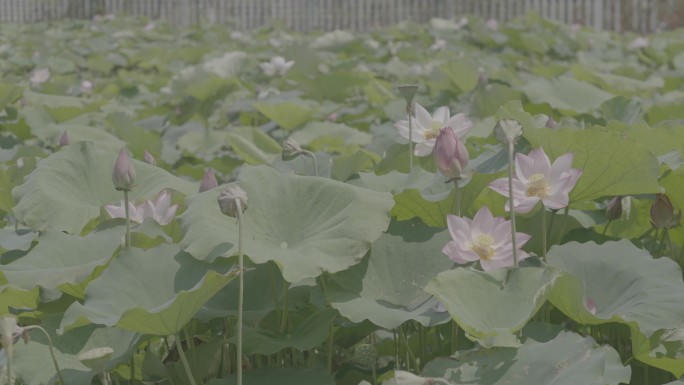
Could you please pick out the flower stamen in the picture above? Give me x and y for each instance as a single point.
(537, 186)
(482, 246)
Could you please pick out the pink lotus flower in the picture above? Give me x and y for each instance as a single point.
(159, 209)
(451, 155)
(426, 127)
(40, 76)
(536, 179)
(484, 238)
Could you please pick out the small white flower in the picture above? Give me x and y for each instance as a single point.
(40, 76)
(277, 66)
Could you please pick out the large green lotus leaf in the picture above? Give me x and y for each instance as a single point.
(664, 349)
(61, 258)
(387, 287)
(306, 335)
(20, 239)
(253, 145)
(69, 188)
(33, 362)
(307, 225)
(623, 282)
(289, 114)
(17, 299)
(331, 137)
(52, 132)
(663, 112)
(126, 297)
(484, 307)
(463, 73)
(600, 154)
(9, 93)
(281, 376)
(566, 94)
(568, 359)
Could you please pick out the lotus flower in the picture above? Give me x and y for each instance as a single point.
(123, 175)
(614, 208)
(86, 86)
(159, 209)
(536, 179)
(484, 238)
(149, 158)
(639, 42)
(208, 181)
(426, 127)
(662, 213)
(64, 140)
(40, 76)
(451, 155)
(277, 66)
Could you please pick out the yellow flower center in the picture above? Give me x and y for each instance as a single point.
(537, 186)
(482, 245)
(435, 126)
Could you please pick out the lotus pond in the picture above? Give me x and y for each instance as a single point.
(367, 259)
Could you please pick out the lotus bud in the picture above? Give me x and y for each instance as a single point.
(208, 181)
(227, 197)
(149, 159)
(550, 123)
(291, 149)
(508, 130)
(408, 92)
(96, 358)
(614, 208)
(123, 175)
(451, 154)
(64, 140)
(662, 213)
(365, 355)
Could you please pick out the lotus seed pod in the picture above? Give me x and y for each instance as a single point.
(291, 149)
(227, 197)
(149, 159)
(366, 355)
(451, 155)
(96, 358)
(123, 175)
(64, 140)
(614, 208)
(208, 181)
(508, 130)
(408, 92)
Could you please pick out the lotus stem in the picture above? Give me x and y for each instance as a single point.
(315, 163)
(128, 220)
(241, 294)
(511, 152)
(184, 360)
(543, 224)
(409, 111)
(52, 353)
(457, 197)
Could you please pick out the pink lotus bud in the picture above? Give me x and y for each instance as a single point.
(149, 159)
(482, 79)
(662, 213)
(227, 198)
(123, 175)
(451, 154)
(64, 140)
(208, 181)
(550, 123)
(614, 208)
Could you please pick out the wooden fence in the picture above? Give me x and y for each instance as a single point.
(619, 15)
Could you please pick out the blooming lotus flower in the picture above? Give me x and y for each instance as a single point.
(536, 179)
(159, 209)
(40, 76)
(277, 66)
(451, 155)
(484, 238)
(426, 127)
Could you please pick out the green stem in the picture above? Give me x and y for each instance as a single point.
(514, 242)
(562, 228)
(241, 294)
(132, 372)
(128, 220)
(409, 352)
(52, 352)
(9, 348)
(315, 163)
(454, 337)
(457, 198)
(331, 336)
(543, 224)
(184, 360)
(274, 291)
(606, 228)
(283, 321)
(409, 110)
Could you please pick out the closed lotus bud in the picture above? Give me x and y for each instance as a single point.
(482, 79)
(451, 154)
(508, 130)
(291, 149)
(64, 140)
(123, 175)
(614, 208)
(662, 213)
(227, 197)
(408, 92)
(208, 181)
(550, 123)
(149, 159)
